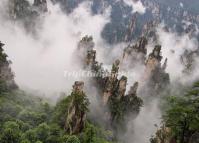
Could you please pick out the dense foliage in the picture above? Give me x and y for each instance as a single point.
(181, 120)
(28, 119)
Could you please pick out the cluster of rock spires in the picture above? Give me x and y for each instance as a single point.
(109, 80)
(26, 13)
(154, 75)
(23, 9)
(6, 75)
(124, 25)
(135, 53)
(112, 89)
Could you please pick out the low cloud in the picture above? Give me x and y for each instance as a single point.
(39, 61)
(173, 47)
(137, 6)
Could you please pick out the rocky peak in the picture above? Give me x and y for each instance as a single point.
(111, 88)
(131, 28)
(112, 83)
(1, 46)
(188, 60)
(115, 69)
(3, 55)
(149, 29)
(156, 53)
(155, 73)
(6, 75)
(139, 47)
(163, 135)
(142, 45)
(91, 56)
(86, 43)
(122, 86)
(136, 53)
(76, 112)
(78, 87)
(154, 59)
(40, 5)
(87, 52)
(133, 89)
(38, 2)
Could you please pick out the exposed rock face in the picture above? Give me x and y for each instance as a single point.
(134, 54)
(112, 83)
(131, 101)
(163, 135)
(76, 116)
(149, 29)
(40, 5)
(112, 88)
(155, 76)
(78, 87)
(153, 60)
(131, 28)
(86, 49)
(133, 89)
(19, 9)
(86, 43)
(6, 75)
(155, 72)
(188, 60)
(29, 15)
(125, 25)
(122, 86)
(22, 9)
(109, 82)
(91, 55)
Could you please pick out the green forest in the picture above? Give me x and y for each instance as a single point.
(99, 71)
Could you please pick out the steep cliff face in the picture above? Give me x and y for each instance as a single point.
(188, 60)
(112, 89)
(124, 26)
(27, 14)
(127, 26)
(40, 5)
(155, 76)
(177, 15)
(77, 110)
(6, 75)
(19, 9)
(22, 9)
(155, 73)
(163, 135)
(135, 54)
(174, 15)
(86, 49)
